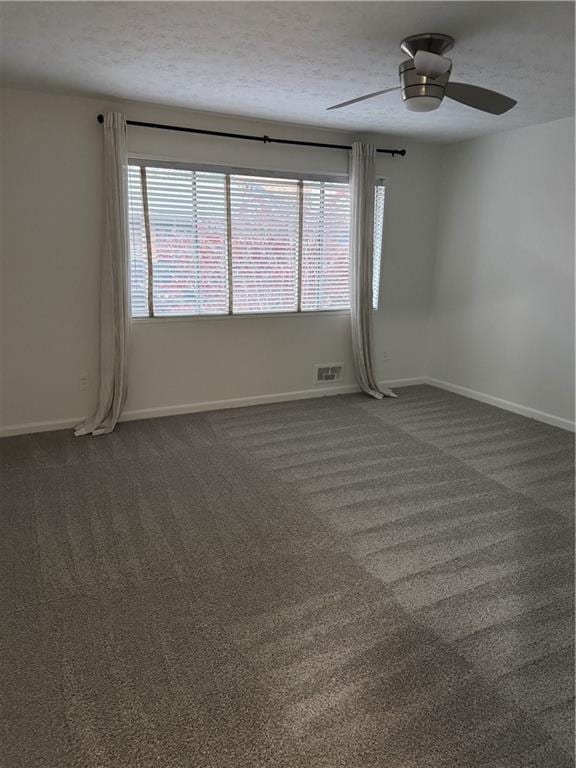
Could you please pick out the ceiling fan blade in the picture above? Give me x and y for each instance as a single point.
(363, 98)
(480, 98)
(431, 64)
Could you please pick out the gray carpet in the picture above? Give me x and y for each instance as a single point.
(335, 583)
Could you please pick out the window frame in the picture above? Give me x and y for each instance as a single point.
(144, 161)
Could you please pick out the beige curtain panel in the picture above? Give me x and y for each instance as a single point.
(362, 181)
(114, 282)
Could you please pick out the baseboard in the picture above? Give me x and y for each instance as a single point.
(175, 410)
(280, 397)
(242, 402)
(11, 430)
(209, 405)
(507, 405)
(236, 402)
(391, 383)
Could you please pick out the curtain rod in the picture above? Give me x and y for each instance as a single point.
(248, 137)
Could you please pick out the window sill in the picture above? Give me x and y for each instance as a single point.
(252, 316)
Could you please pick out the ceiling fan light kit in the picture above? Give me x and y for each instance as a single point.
(425, 79)
(419, 92)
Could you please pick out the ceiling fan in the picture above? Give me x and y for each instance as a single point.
(425, 79)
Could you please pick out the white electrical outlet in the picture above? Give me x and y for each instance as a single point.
(84, 382)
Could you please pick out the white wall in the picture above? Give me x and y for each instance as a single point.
(51, 205)
(497, 319)
(503, 288)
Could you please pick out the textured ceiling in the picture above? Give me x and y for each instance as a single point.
(290, 60)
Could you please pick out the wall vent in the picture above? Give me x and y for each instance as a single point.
(329, 374)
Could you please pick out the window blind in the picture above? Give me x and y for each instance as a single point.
(379, 193)
(265, 236)
(207, 242)
(138, 246)
(188, 225)
(326, 246)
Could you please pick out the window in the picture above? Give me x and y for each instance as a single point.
(206, 242)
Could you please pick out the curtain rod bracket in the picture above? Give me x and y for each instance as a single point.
(249, 137)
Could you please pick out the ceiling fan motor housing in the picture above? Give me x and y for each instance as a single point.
(419, 92)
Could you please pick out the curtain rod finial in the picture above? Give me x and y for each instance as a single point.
(100, 118)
